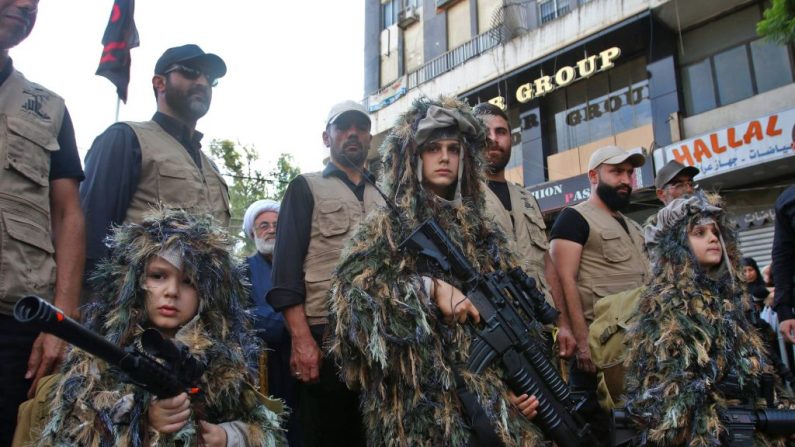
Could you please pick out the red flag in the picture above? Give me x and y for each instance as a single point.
(120, 37)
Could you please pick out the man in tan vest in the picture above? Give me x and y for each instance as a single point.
(133, 167)
(516, 212)
(41, 223)
(319, 214)
(597, 250)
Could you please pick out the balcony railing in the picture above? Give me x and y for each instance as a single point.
(450, 60)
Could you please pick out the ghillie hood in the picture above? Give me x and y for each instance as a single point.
(692, 334)
(93, 405)
(387, 335)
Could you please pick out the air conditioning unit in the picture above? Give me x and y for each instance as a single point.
(407, 16)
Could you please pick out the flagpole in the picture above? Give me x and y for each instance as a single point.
(118, 104)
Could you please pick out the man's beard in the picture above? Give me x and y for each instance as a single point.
(615, 200)
(185, 106)
(351, 160)
(499, 162)
(264, 247)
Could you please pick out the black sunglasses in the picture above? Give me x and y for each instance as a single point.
(192, 74)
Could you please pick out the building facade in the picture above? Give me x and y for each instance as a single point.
(690, 81)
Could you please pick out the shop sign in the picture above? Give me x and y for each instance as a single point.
(612, 103)
(757, 141)
(568, 74)
(387, 95)
(755, 218)
(555, 195)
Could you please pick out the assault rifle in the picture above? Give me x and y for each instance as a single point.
(178, 374)
(512, 312)
(740, 421)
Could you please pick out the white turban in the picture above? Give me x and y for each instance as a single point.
(254, 210)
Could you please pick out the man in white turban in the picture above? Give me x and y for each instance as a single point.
(259, 224)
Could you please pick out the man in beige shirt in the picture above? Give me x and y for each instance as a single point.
(517, 214)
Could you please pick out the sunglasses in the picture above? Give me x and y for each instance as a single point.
(192, 74)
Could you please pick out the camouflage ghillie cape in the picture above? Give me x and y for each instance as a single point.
(691, 334)
(93, 407)
(388, 336)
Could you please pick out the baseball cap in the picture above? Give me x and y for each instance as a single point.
(193, 56)
(672, 169)
(344, 107)
(613, 155)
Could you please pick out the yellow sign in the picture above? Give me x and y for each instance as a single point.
(568, 74)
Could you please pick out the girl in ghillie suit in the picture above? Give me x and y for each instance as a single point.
(392, 312)
(174, 272)
(692, 333)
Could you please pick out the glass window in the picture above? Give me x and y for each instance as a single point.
(551, 9)
(698, 89)
(733, 75)
(772, 65)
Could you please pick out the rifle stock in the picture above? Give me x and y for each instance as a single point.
(140, 369)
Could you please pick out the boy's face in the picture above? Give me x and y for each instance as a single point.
(171, 298)
(705, 243)
(440, 165)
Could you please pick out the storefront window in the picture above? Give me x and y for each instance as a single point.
(771, 65)
(604, 105)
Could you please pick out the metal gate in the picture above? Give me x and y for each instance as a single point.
(757, 242)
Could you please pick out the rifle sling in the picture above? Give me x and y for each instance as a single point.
(484, 434)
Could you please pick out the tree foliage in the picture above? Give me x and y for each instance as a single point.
(247, 183)
(778, 24)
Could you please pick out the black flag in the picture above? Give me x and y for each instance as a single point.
(120, 37)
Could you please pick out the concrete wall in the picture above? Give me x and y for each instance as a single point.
(372, 45)
(580, 23)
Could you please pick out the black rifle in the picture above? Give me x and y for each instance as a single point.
(512, 312)
(740, 421)
(178, 374)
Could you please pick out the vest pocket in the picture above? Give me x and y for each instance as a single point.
(536, 228)
(175, 189)
(28, 149)
(614, 248)
(332, 218)
(26, 259)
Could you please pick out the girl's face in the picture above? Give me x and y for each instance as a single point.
(750, 273)
(171, 298)
(440, 166)
(705, 243)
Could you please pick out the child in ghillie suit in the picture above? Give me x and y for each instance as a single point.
(174, 272)
(393, 314)
(692, 334)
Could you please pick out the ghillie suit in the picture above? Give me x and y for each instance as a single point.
(691, 334)
(387, 334)
(92, 406)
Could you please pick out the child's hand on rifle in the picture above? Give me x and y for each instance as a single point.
(527, 405)
(212, 435)
(455, 306)
(169, 415)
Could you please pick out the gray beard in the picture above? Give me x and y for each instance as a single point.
(264, 247)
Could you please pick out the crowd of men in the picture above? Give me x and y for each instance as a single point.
(592, 250)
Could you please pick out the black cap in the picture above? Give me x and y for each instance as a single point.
(671, 170)
(192, 56)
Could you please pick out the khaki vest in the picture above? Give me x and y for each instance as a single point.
(336, 216)
(526, 233)
(612, 261)
(30, 120)
(170, 177)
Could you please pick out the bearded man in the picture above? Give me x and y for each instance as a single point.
(134, 167)
(597, 251)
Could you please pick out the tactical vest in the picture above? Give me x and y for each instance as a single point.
(335, 217)
(170, 177)
(526, 233)
(30, 120)
(612, 261)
